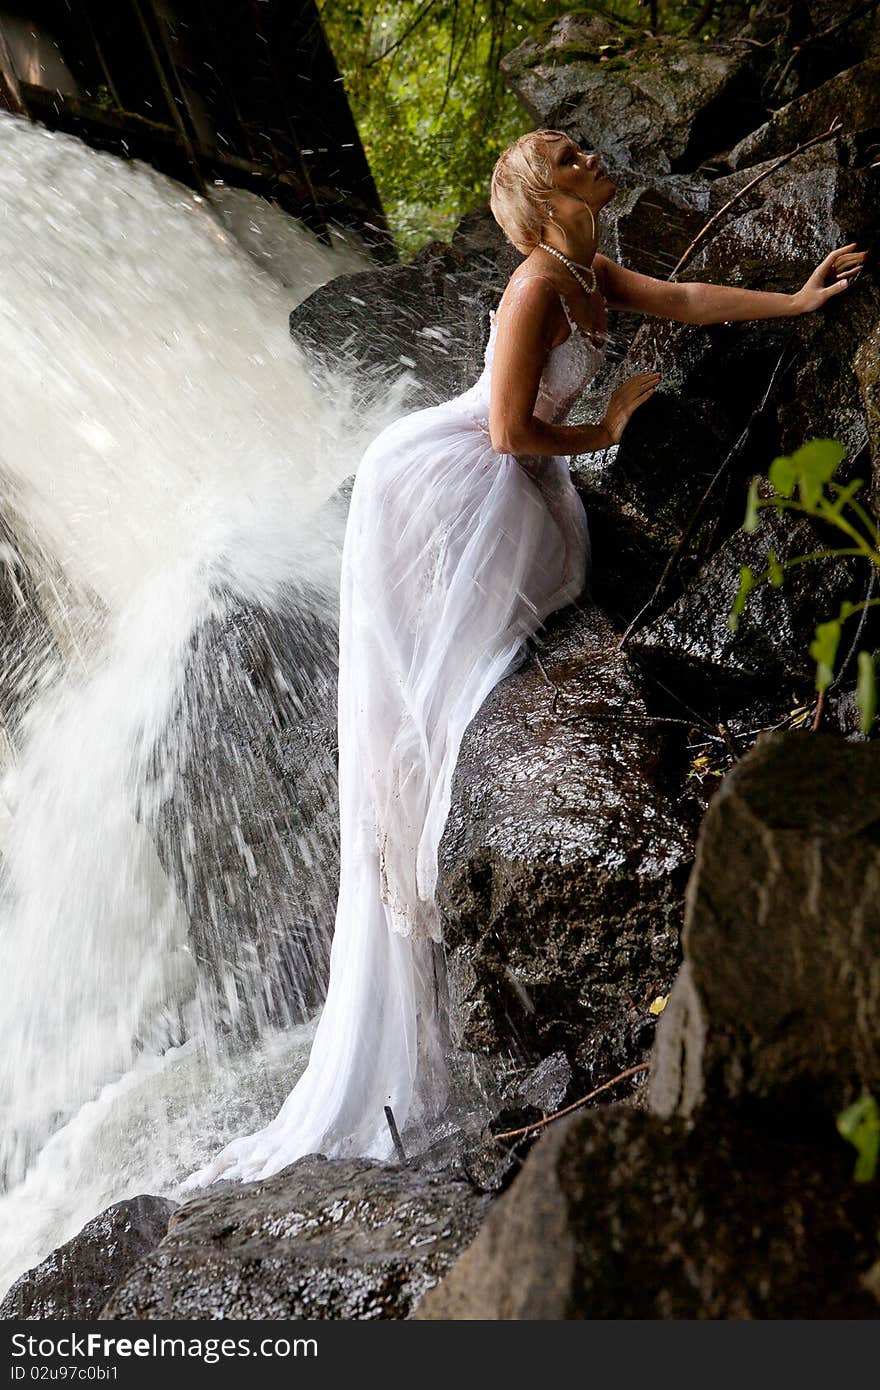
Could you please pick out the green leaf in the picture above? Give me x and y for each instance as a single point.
(810, 467)
(746, 585)
(777, 573)
(866, 691)
(815, 462)
(752, 504)
(859, 1125)
(783, 475)
(824, 650)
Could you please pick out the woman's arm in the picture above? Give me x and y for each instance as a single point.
(694, 302)
(526, 327)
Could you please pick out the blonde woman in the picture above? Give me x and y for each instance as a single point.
(464, 533)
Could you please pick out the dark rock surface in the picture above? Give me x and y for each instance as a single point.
(563, 862)
(777, 1008)
(428, 318)
(853, 95)
(621, 1214)
(341, 1238)
(743, 391)
(249, 832)
(75, 1280)
(690, 642)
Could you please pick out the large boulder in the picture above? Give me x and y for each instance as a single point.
(773, 238)
(852, 95)
(341, 1238)
(741, 391)
(426, 321)
(806, 43)
(77, 1278)
(244, 807)
(690, 642)
(563, 861)
(621, 1214)
(777, 1006)
(652, 105)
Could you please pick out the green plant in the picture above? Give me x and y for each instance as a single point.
(804, 482)
(859, 1125)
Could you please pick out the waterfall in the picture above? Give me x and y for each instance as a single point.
(165, 461)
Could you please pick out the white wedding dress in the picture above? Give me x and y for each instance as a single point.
(454, 554)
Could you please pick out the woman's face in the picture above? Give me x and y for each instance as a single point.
(577, 173)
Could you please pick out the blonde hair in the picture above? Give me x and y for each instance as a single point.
(521, 182)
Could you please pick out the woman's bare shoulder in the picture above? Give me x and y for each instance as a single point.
(532, 294)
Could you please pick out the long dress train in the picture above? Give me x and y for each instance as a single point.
(454, 554)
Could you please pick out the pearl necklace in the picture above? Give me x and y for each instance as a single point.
(574, 267)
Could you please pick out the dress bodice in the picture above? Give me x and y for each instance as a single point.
(569, 369)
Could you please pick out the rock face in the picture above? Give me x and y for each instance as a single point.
(690, 642)
(428, 319)
(619, 1214)
(342, 1238)
(657, 105)
(778, 1005)
(851, 95)
(76, 1279)
(563, 862)
(732, 1196)
(249, 832)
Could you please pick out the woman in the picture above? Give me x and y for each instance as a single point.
(464, 533)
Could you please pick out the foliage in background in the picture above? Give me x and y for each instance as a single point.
(809, 472)
(431, 105)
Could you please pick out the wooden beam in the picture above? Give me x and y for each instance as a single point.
(169, 99)
(10, 92)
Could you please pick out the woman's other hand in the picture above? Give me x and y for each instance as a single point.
(842, 266)
(626, 399)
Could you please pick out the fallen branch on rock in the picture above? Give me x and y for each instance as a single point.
(833, 129)
(548, 1119)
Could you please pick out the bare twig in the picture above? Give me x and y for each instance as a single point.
(414, 24)
(603, 717)
(833, 129)
(548, 1119)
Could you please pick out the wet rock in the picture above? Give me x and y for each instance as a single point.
(546, 1087)
(76, 1279)
(853, 95)
(780, 232)
(866, 365)
(690, 643)
(246, 823)
(778, 1004)
(806, 43)
(563, 862)
(621, 1214)
(743, 391)
(651, 105)
(644, 228)
(490, 1163)
(427, 320)
(341, 1238)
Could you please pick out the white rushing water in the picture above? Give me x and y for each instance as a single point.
(159, 429)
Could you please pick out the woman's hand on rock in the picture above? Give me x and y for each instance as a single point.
(626, 399)
(842, 267)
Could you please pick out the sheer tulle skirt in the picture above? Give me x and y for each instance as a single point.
(454, 554)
